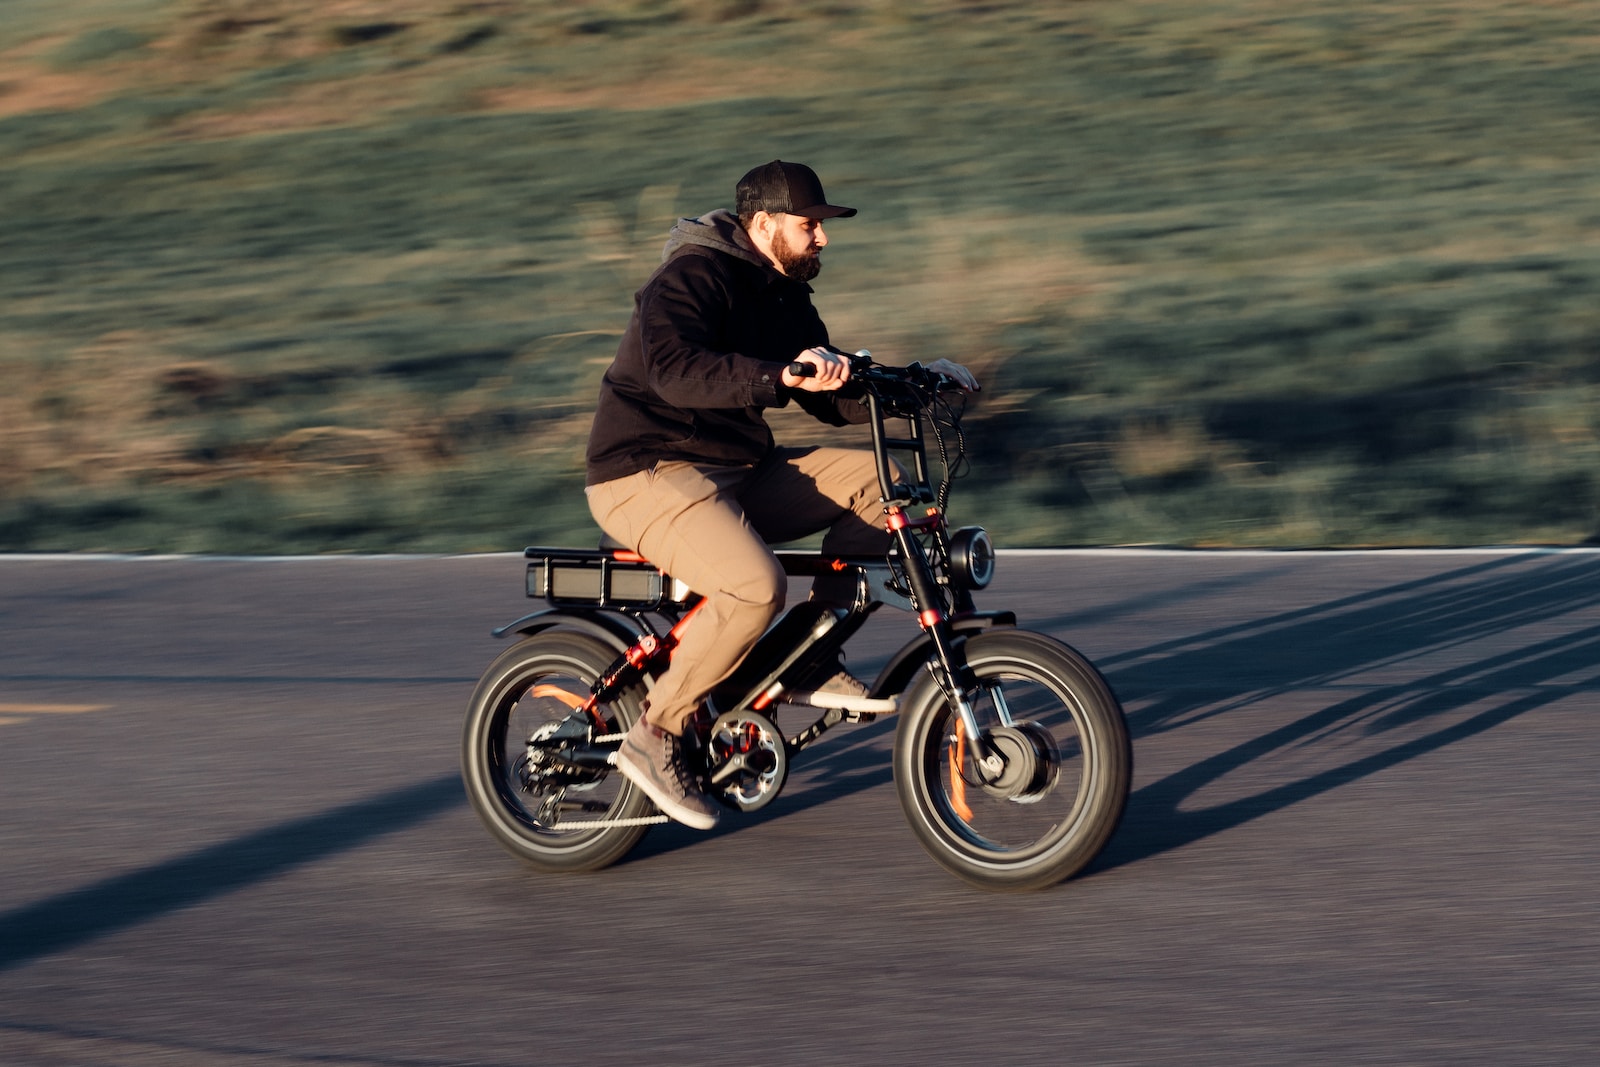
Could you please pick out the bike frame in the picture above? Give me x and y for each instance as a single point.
(618, 596)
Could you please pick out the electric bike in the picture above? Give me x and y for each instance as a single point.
(1011, 756)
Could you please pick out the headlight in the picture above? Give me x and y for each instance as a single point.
(971, 557)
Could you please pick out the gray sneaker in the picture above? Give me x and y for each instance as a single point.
(651, 759)
(845, 684)
(845, 692)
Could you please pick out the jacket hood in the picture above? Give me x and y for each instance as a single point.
(719, 230)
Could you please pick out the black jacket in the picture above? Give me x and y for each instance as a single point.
(703, 356)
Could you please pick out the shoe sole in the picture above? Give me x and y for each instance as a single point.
(670, 807)
(863, 704)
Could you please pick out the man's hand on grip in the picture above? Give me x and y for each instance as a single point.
(956, 373)
(830, 371)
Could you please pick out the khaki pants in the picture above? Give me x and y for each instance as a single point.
(709, 526)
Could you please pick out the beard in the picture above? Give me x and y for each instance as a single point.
(801, 266)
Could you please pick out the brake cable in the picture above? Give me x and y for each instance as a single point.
(943, 417)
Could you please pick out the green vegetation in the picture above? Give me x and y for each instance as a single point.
(1233, 273)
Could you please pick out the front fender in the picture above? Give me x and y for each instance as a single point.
(618, 631)
(904, 664)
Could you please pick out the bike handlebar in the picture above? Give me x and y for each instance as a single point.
(863, 367)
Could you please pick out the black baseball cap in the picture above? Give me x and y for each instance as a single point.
(790, 188)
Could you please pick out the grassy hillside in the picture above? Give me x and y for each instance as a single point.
(284, 276)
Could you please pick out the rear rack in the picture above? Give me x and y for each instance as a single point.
(600, 578)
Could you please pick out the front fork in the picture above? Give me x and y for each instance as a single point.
(949, 665)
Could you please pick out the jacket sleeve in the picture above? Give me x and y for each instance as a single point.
(682, 312)
(830, 407)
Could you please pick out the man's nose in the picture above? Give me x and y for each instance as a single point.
(819, 238)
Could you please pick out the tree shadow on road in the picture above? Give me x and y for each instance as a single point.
(1365, 643)
(68, 919)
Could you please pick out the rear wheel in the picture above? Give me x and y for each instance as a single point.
(1052, 799)
(540, 805)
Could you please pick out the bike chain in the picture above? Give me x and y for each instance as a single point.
(590, 824)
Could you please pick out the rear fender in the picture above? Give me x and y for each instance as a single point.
(617, 631)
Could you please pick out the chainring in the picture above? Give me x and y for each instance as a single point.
(747, 760)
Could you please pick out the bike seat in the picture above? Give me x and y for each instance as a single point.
(619, 551)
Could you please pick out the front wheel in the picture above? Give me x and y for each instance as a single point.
(1050, 802)
(546, 809)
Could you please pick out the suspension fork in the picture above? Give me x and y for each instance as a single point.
(951, 671)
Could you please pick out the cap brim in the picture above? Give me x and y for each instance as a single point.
(826, 211)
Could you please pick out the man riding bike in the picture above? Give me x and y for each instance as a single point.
(683, 468)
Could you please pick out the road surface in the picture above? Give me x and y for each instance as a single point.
(1363, 830)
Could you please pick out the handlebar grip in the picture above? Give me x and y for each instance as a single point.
(802, 370)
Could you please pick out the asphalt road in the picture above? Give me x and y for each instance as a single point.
(1363, 831)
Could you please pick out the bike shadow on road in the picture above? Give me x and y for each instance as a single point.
(850, 760)
(1426, 664)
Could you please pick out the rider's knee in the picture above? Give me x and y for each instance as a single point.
(764, 589)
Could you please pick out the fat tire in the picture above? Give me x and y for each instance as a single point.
(1101, 771)
(487, 777)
